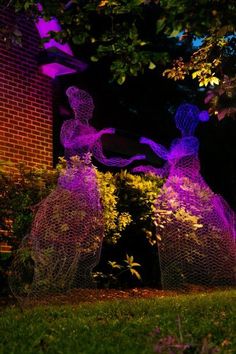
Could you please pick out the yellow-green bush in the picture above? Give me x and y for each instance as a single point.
(127, 199)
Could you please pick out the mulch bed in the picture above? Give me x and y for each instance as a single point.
(78, 296)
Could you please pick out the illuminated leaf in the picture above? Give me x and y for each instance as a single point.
(151, 65)
(135, 273)
(195, 74)
(121, 80)
(94, 59)
(136, 264)
(197, 226)
(214, 80)
(114, 265)
(175, 32)
(129, 259)
(103, 3)
(64, 227)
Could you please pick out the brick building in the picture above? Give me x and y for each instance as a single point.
(26, 88)
(25, 98)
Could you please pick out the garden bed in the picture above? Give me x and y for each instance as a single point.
(77, 296)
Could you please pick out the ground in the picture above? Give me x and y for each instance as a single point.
(77, 296)
(135, 321)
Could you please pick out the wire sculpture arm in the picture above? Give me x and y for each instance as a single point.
(158, 149)
(113, 161)
(79, 135)
(90, 139)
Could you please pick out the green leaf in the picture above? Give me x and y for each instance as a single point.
(176, 30)
(121, 79)
(160, 24)
(151, 65)
(94, 59)
(77, 39)
(27, 5)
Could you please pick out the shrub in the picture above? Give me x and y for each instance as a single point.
(21, 189)
(128, 202)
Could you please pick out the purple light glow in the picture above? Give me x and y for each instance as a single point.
(204, 116)
(78, 136)
(196, 226)
(44, 27)
(55, 69)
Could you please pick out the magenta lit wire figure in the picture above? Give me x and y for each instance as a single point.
(79, 137)
(195, 227)
(67, 230)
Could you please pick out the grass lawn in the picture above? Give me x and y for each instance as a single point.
(203, 320)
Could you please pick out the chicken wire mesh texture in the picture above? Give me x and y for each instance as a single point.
(81, 102)
(67, 231)
(196, 227)
(196, 245)
(79, 137)
(65, 239)
(82, 105)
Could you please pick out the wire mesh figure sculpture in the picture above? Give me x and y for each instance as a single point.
(195, 227)
(67, 230)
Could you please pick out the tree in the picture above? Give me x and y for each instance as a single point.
(135, 35)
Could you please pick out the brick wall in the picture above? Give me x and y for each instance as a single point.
(25, 101)
(25, 98)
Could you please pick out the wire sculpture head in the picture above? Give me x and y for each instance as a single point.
(81, 102)
(187, 118)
